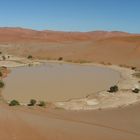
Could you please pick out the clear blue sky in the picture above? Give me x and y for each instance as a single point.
(72, 15)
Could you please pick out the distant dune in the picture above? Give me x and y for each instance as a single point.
(54, 123)
(97, 46)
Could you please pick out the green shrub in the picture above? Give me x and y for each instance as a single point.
(30, 65)
(136, 90)
(32, 102)
(30, 57)
(1, 74)
(42, 103)
(1, 84)
(3, 57)
(113, 89)
(60, 58)
(14, 103)
(133, 68)
(137, 74)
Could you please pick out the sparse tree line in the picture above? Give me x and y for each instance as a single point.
(2, 74)
(115, 88)
(32, 102)
(3, 57)
(30, 57)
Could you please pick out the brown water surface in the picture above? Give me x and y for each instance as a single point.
(57, 82)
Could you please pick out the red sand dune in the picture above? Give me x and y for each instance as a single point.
(51, 124)
(21, 123)
(98, 46)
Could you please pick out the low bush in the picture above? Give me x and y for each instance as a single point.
(1, 84)
(102, 62)
(60, 58)
(113, 89)
(3, 57)
(109, 63)
(1, 74)
(133, 68)
(136, 90)
(30, 57)
(14, 103)
(42, 103)
(32, 102)
(137, 74)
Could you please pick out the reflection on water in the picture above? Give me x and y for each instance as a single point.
(55, 82)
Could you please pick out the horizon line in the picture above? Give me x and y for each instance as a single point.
(55, 30)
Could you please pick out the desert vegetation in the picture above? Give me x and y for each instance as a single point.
(136, 90)
(30, 57)
(41, 104)
(78, 61)
(14, 103)
(133, 68)
(1, 84)
(113, 89)
(109, 64)
(1, 74)
(137, 74)
(60, 58)
(3, 58)
(32, 102)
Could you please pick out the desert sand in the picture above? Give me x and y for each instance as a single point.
(116, 116)
(98, 46)
(104, 99)
(99, 116)
(25, 123)
(99, 100)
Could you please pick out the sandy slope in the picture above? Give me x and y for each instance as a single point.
(20, 124)
(98, 46)
(41, 124)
